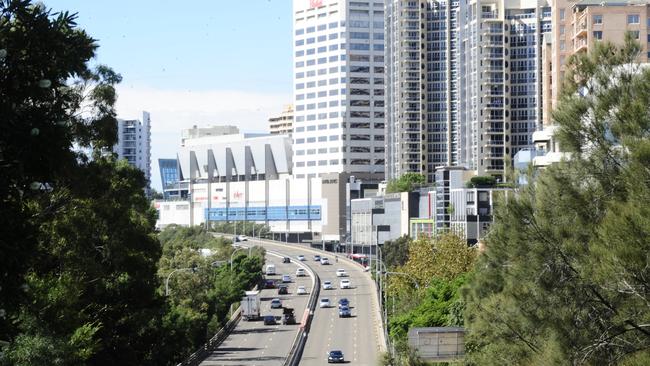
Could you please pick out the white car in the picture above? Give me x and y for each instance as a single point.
(286, 278)
(300, 272)
(324, 303)
(345, 284)
(324, 260)
(341, 273)
(301, 257)
(276, 304)
(242, 238)
(327, 285)
(301, 290)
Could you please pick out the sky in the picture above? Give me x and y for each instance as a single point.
(200, 62)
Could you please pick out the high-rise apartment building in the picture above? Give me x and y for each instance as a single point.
(338, 88)
(464, 83)
(282, 124)
(134, 143)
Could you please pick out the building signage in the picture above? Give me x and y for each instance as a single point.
(315, 3)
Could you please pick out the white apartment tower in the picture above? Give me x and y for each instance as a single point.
(134, 143)
(338, 93)
(465, 83)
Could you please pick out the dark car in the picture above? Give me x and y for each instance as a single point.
(344, 312)
(269, 284)
(288, 318)
(344, 302)
(335, 357)
(269, 320)
(286, 260)
(283, 290)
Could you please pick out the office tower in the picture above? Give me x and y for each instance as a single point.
(283, 123)
(338, 88)
(134, 143)
(464, 83)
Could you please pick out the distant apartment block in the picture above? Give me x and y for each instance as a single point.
(196, 132)
(338, 88)
(134, 143)
(283, 123)
(464, 83)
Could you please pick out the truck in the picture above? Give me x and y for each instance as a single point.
(250, 305)
(288, 317)
(270, 269)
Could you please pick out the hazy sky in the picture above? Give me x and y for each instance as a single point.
(203, 62)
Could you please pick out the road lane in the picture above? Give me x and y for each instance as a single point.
(252, 342)
(358, 336)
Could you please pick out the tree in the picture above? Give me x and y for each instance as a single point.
(395, 252)
(564, 276)
(480, 181)
(406, 183)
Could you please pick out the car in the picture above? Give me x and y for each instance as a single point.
(324, 303)
(345, 284)
(286, 278)
(269, 284)
(242, 238)
(301, 257)
(276, 304)
(301, 290)
(300, 272)
(341, 273)
(288, 316)
(317, 258)
(283, 290)
(269, 320)
(324, 261)
(286, 260)
(327, 285)
(344, 302)
(344, 312)
(335, 356)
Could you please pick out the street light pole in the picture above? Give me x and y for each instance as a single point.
(233, 253)
(170, 275)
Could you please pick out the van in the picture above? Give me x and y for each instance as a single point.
(270, 269)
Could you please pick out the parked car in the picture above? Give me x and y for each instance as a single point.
(283, 290)
(301, 257)
(269, 320)
(324, 261)
(286, 278)
(345, 284)
(324, 303)
(341, 273)
(276, 304)
(335, 357)
(286, 260)
(344, 302)
(327, 285)
(317, 258)
(344, 312)
(301, 290)
(300, 272)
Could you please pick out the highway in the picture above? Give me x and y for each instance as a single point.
(359, 337)
(252, 342)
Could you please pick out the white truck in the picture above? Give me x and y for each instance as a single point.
(270, 269)
(250, 305)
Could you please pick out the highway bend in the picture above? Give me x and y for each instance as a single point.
(252, 342)
(359, 337)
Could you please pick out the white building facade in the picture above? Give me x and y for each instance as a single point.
(134, 143)
(338, 88)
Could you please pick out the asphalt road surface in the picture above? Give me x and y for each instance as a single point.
(252, 342)
(358, 337)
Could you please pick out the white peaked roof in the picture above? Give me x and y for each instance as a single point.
(236, 151)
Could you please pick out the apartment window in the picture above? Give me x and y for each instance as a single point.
(562, 45)
(561, 30)
(599, 35)
(633, 19)
(300, 164)
(322, 138)
(561, 14)
(597, 19)
(311, 163)
(334, 149)
(322, 162)
(635, 34)
(334, 162)
(334, 138)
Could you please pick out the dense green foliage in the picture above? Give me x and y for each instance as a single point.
(395, 252)
(77, 249)
(425, 289)
(406, 183)
(564, 279)
(482, 181)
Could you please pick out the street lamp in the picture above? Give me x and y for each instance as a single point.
(235, 251)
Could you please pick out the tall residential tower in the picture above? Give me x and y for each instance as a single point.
(338, 94)
(134, 143)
